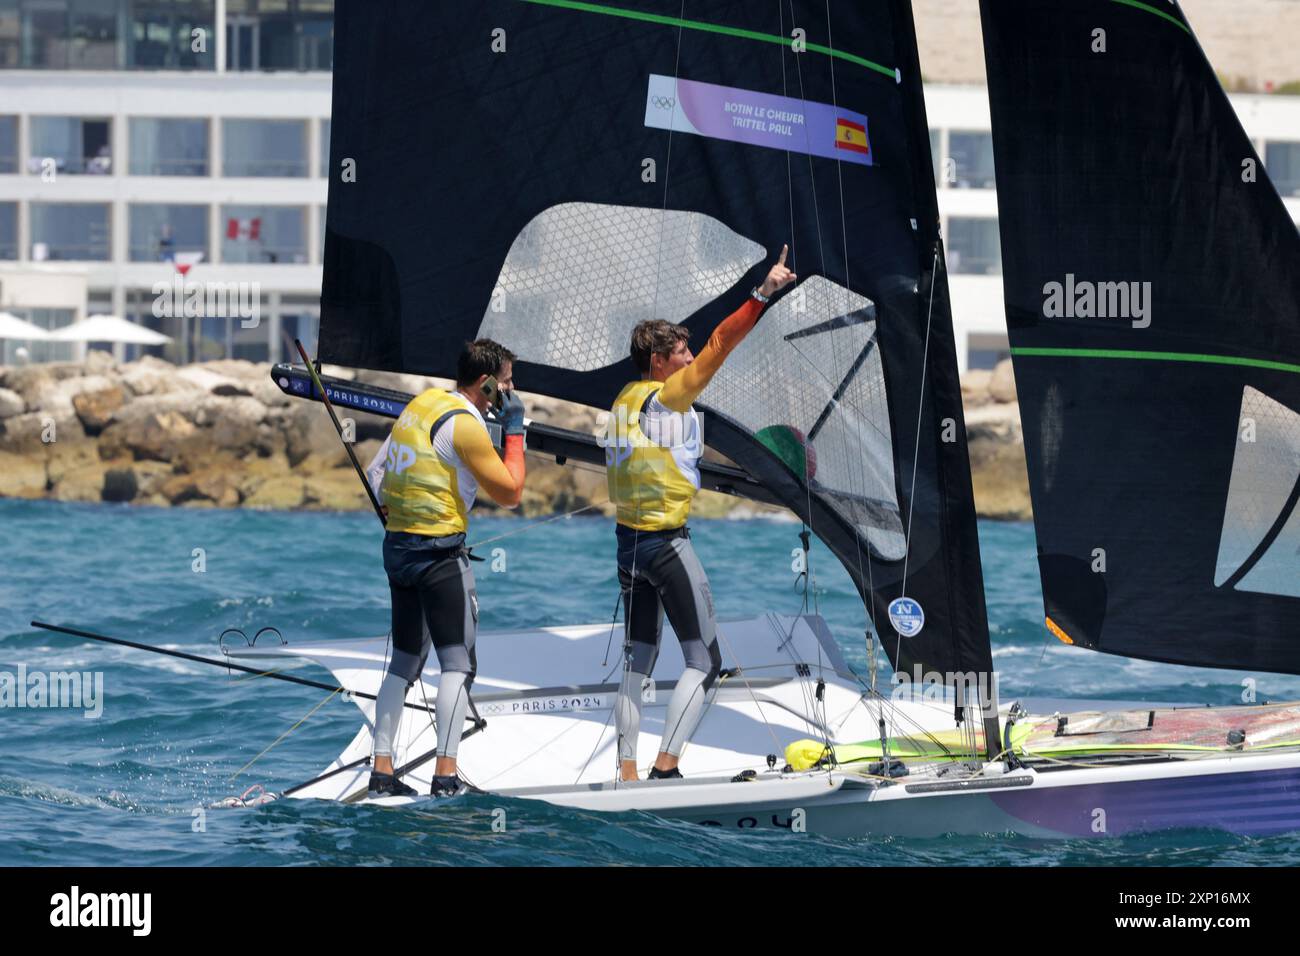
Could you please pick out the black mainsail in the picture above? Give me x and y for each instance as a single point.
(549, 172)
(1152, 281)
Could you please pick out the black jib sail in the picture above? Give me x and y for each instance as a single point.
(548, 173)
(1152, 279)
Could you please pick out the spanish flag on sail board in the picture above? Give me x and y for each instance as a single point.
(851, 135)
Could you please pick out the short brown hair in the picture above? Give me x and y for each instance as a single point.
(481, 357)
(655, 337)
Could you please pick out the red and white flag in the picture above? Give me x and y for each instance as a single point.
(250, 229)
(183, 261)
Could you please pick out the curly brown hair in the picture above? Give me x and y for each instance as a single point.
(481, 357)
(655, 337)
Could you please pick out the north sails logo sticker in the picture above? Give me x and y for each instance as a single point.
(906, 616)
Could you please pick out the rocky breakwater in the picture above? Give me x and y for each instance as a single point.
(996, 442)
(217, 434)
(221, 434)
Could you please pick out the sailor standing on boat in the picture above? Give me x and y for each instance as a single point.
(437, 457)
(652, 466)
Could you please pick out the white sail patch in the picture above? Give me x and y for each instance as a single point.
(580, 276)
(1265, 469)
(812, 371)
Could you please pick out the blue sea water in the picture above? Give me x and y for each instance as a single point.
(123, 788)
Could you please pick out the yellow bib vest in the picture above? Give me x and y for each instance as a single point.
(420, 489)
(651, 484)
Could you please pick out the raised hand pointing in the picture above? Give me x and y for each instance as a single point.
(779, 276)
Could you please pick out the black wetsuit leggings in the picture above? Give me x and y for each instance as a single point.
(434, 605)
(662, 575)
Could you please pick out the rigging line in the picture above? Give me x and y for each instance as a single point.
(903, 720)
(822, 255)
(754, 697)
(225, 665)
(302, 720)
(789, 176)
(869, 602)
(809, 697)
(609, 642)
(600, 737)
(347, 445)
(848, 292)
(834, 388)
(916, 451)
(821, 251)
(805, 692)
(900, 716)
(668, 160)
(537, 522)
(659, 259)
(809, 578)
(539, 749)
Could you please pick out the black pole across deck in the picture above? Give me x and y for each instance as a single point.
(288, 678)
(338, 427)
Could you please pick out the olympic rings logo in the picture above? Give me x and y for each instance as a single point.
(664, 102)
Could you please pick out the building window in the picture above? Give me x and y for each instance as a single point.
(92, 32)
(972, 156)
(252, 344)
(279, 34)
(44, 36)
(325, 148)
(264, 234)
(8, 230)
(264, 147)
(163, 35)
(935, 149)
(11, 51)
(75, 145)
(8, 144)
(106, 34)
(70, 230)
(159, 232)
(1282, 161)
(301, 323)
(169, 147)
(974, 246)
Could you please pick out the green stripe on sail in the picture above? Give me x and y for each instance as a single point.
(718, 28)
(1158, 357)
(1135, 4)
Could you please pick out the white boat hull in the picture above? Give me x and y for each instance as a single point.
(547, 696)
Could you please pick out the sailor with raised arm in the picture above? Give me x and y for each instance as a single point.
(427, 474)
(652, 468)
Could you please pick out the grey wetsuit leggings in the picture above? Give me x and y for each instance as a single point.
(434, 605)
(672, 580)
